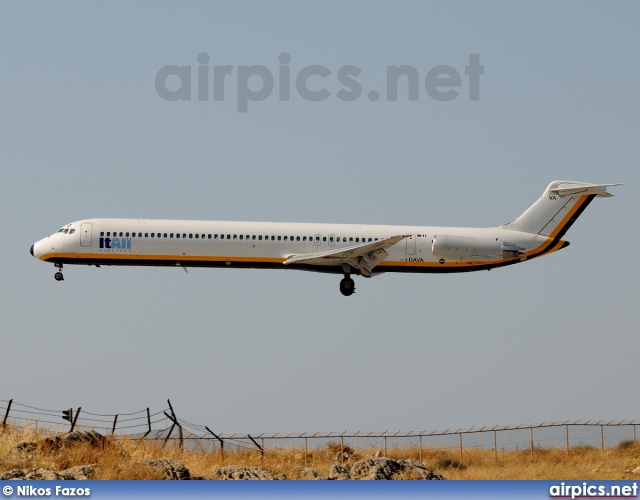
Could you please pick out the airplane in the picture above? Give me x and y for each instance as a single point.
(347, 249)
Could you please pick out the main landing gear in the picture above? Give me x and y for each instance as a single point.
(58, 276)
(347, 285)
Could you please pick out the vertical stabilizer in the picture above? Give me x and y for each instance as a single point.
(558, 208)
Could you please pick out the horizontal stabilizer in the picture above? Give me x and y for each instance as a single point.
(567, 188)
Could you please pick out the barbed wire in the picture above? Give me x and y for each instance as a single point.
(144, 419)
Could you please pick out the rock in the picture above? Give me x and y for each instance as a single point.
(237, 472)
(375, 468)
(381, 468)
(92, 437)
(79, 473)
(414, 469)
(345, 456)
(31, 474)
(308, 474)
(339, 472)
(170, 468)
(26, 447)
(636, 470)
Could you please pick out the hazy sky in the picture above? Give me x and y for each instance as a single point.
(85, 133)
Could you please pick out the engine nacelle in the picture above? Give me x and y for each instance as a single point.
(458, 248)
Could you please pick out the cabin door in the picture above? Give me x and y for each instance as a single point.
(85, 234)
(411, 245)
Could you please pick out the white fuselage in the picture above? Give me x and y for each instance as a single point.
(347, 249)
(269, 244)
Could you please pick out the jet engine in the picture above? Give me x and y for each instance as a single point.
(465, 248)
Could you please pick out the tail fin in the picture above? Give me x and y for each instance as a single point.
(558, 208)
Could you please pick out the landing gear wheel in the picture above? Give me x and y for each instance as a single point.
(58, 276)
(347, 286)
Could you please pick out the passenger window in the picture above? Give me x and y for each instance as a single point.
(165, 235)
(127, 235)
(101, 233)
(324, 238)
(273, 238)
(297, 238)
(253, 237)
(331, 239)
(177, 235)
(357, 240)
(171, 235)
(209, 236)
(260, 237)
(279, 238)
(241, 237)
(228, 236)
(108, 233)
(197, 236)
(190, 235)
(120, 233)
(285, 238)
(146, 235)
(350, 239)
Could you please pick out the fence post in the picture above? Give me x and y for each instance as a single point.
(342, 450)
(219, 439)
(259, 447)
(170, 431)
(149, 422)
(6, 415)
(634, 432)
(460, 440)
(113, 429)
(566, 436)
(385, 446)
(495, 445)
(531, 441)
(75, 419)
(602, 437)
(175, 421)
(306, 451)
(420, 439)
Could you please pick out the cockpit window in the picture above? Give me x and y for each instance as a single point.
(61, 230)
(71, 231)
(65, 231)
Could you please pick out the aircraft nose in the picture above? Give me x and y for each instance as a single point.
(31, 250)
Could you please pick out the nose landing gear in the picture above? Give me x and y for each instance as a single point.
(58, 276)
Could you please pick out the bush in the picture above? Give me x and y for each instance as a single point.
(449, 463)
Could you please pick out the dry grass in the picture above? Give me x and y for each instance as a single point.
(117, 459)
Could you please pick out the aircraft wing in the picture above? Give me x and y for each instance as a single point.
(363, 257)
